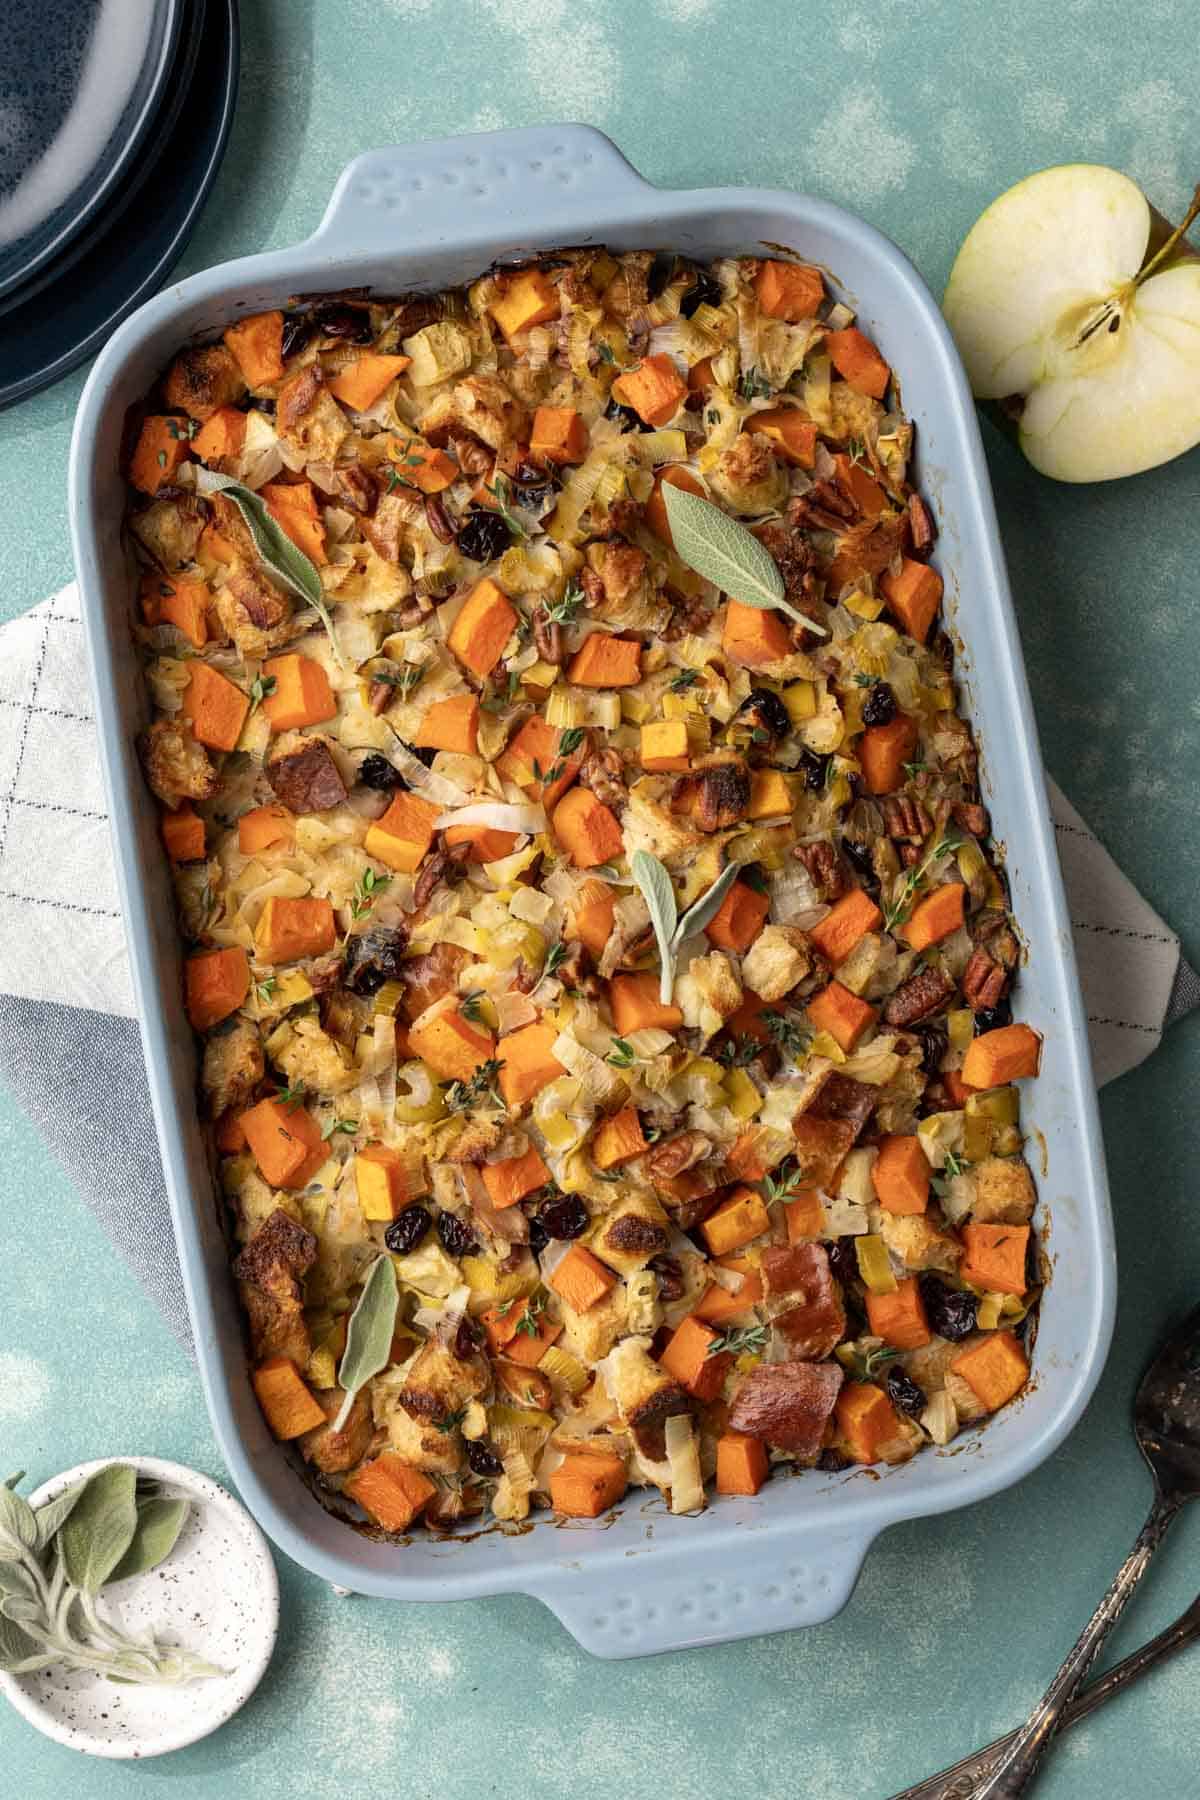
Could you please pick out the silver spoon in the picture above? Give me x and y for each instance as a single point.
(1166, 1423)
(961, 1780)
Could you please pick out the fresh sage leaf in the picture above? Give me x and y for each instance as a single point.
(284, 561)
(18, 1526)
(55, 1513)
(727, 554)
(159, 1523)
(19, 1653)
(659, 894)
(100, 1528)
(15, 1480)
(369, 1333)
(707, 906)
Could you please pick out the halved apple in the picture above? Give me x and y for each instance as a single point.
(1052, 303)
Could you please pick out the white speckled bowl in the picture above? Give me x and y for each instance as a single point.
(216, 1594)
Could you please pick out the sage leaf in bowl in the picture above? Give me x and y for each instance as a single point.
(726, 553)
(53, 1563)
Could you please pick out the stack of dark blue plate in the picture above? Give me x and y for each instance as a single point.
(114, 116)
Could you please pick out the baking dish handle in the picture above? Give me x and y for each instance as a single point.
(757, 1588)
(481, 184)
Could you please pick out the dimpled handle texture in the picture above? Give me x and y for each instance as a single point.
(759, 1589)
(454, 187)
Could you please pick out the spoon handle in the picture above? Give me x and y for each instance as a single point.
(961, 1780)
(1020, 1763)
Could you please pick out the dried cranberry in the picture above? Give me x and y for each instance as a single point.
(933, 1041)
(670, 1277)
(766, 712)
(484, 536)
(539, 1237)
(297, 329)
(879, 707)
(457, 1239)
(338, 319)
(951, 1311)
(372, 957)
(564, 1217)
(630, 421)
(467, 1339)
(813, 769)
(407, 1229)
(660, 273)
(378, 773)
(843, 1260)
(482, 1460)
(904, 1392)
(990, 1018)
(707, 292)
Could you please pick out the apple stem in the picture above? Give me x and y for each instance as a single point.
(1193, 212)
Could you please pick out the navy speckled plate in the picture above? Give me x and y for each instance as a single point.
(81, 83)
(83, 297)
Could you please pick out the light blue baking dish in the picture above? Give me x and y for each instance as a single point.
(421, 216)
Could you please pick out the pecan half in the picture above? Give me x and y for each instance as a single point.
(439, 520)
(604, 772)
(443, 865)
(723, 796)
(984, 981)
(547, 635)
(971, 816)
(825, 866)
(665, 1161)
(920, 525)
(905, 819)
(918, 997)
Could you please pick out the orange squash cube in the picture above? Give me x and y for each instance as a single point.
(532, 755)
(900, 1175)
(486, 844)
(739, 918)
(592, 920)
(664, 747)
(264, 826)
(883, 751)
(636, 1006)
(719, 1304)
(754, 638)
(285, 1141)
(404, 833)
(301, 695)
(288, 1405)
(899, 1318)
(792, 433)
(995, 1058)
(509, 1181)
(183, 834)
(606, 662)
(866, 1420)
(559, 435)
(528, 1062)
(182, 601)
(526, 298)
(655, 510)
(587, 829)
(257, 346)
(842, 1014)
(845, 925)
(364, 381)
(293, 506)
(858, 362)
(214, 707)
(687, 1358)
(935, 917)
(483, 627)
(742, 1463)
(618, 1139)
(290, 929)
(450, 1044)
(771, 795)
(654, 388)
(586, 1484)
(995, 1257)
(581, 1279)
(914, 595)
(451, 725)
(790, 291)
(217, 982)
(390, 1490)
(381, 1176)
(995, 1369)
(162, 445)
(736, 1221)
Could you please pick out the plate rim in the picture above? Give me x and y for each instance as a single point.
(123, 161)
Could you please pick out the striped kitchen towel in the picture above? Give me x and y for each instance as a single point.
(68, 1040)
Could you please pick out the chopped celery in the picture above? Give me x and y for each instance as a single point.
(960, 1026)
(874, 1264)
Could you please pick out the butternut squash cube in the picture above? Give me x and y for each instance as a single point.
(995, 1369)
(302, 694)
(636, 1006)
(754, 638)
(451, 725)
(483, 627)
(606, 662)
(526, 298)
(559, 435)
(736, 1221)
(403, 835)
(770, 795)
(381, 1176)
(509, 1181)
(290, 1409)
(586, 829)
(618, 1139)
(528, 1062)
(581, 1279)
(450, 1044)
(390, 1490)
(665, 747)
(289, 929)
(285, 1141)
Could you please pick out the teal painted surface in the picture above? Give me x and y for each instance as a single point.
(916, 115)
